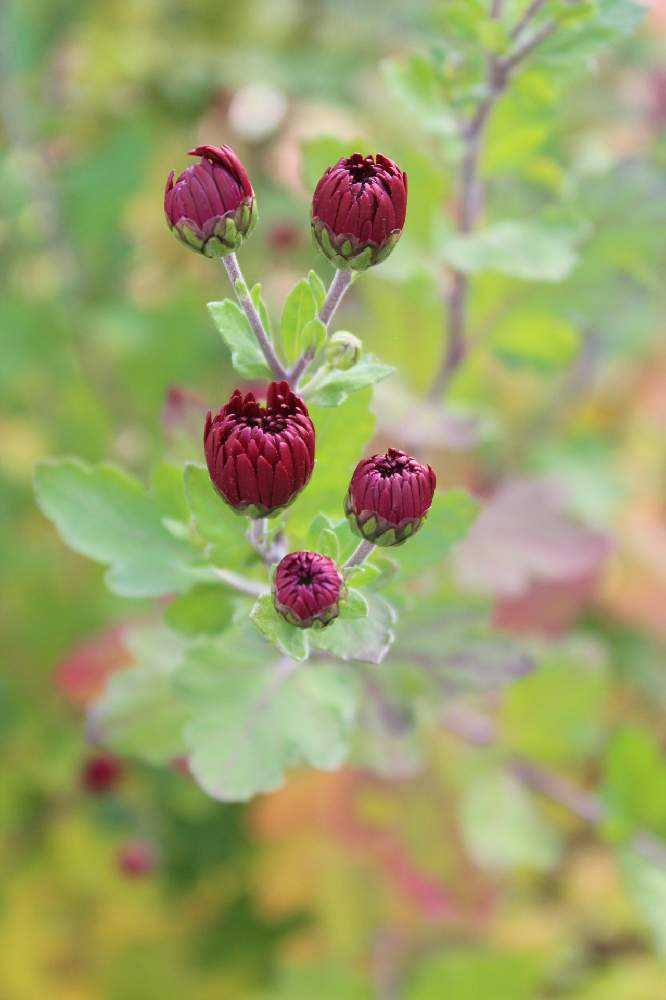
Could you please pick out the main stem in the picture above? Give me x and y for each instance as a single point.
(341, 282)
(239, 284)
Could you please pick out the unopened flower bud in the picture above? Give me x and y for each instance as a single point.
(260, 456)
(389, 497)
(358, 210)
(307, 589)
(101, 773)
(343, 350)
(211, 207)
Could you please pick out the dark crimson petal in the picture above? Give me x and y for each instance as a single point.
(307, 588)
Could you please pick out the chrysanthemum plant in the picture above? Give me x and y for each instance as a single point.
(277, 558)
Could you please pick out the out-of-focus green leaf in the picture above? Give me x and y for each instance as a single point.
(473, 974)
(214, 520)
(367, 639)
(332, 386)
(635, 780)
(450, 518)
(252, 718)
(106, 515)
(204, 609)
(536, 340)
(289, 639)
(139, 714)
(246, 356)
(556, 714)
(501, 826)
(646, 885)
(528, 250)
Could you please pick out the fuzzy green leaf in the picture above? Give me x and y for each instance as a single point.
(246, 356)
(106, 515)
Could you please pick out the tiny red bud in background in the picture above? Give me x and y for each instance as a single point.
(389, 497)
(358, 210)
(101, 774)
(137, 858)
(260, 456)
(211, 207)
(307, 589)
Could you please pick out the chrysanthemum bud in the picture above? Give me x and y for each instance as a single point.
(211, 207)
(101, 773)
(307, 589)
(343, 350)
(137, 858)
(260, 456)
(358, 210)
(389, 497)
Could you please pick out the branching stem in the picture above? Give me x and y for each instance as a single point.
(339, 285)
(235, 275)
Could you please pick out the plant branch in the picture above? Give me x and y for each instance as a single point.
(360, 554)
(240, 583)
(235, 275)
(339, 285)
(470, 199)
(479, 730)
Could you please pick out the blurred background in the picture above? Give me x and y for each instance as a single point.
(356, 884)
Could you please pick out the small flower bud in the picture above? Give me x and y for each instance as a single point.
(137, 858)
(307, 589)
(260, 457)
(343, 350)
(101, 774)
(211, 207)
(358, 210)
(389, 497)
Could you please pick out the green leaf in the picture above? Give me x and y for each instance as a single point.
(646, 885)
(473, 974)
(342, 433)
(139, 713)
(250, 720)
(556, 714)
(167, 488)
(246, 356)
(331, 386)
(313, 336)
(501, 826)
(299, 310)
(537, 340)
(206, 609)
(528, 250)
(214, 519)
(289, 639)
(416, 82)
(367, 639)
(450, 518)
(635, 779)
(318, 289)
(355, 605)
(106, 515)
(260, 306)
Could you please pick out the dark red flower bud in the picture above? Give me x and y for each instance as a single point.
(307, 589)
(358, 210)
(389, 497)
(137, 858)
(101, 773)
(260, 457)
(211, 208)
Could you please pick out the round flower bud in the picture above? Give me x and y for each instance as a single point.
(389, 497)
(307, 589)
(101, 774)
(343, 350)
(260, 456)
(358, 210)
(137, 858)
(211, 207)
